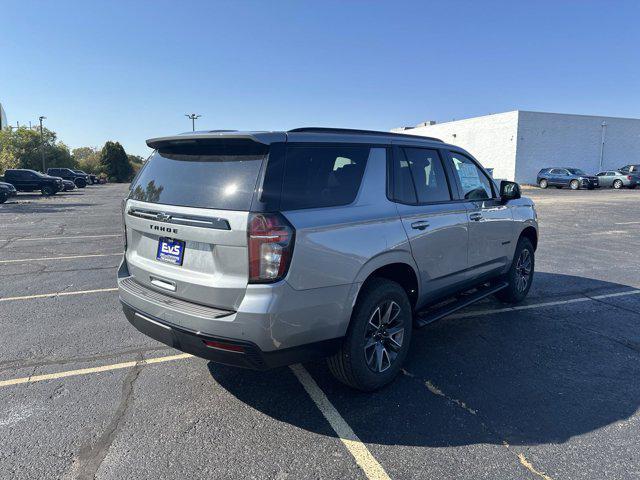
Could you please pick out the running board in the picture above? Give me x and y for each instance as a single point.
(428, 316)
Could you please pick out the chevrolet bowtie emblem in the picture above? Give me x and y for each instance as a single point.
(162, 217)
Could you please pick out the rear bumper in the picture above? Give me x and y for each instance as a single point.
(248, 356)
(276, 323)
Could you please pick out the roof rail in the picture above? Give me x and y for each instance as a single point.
(352, 131)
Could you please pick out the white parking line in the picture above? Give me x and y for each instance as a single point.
(20, 260)
(363, 457)
(475, 313)
(86, 371)
(65, 237)
(58, 294)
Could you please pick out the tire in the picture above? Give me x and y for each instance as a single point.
(617, 184)
(543, 183)
(574, 184)
(48, 190)
(80, 182)
(370, 356)
(3, 197)
(517, 291)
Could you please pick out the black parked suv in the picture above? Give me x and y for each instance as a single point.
(29, 180)
(91, 178)
(80, 179)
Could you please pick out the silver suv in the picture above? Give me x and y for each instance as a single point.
(263, 249)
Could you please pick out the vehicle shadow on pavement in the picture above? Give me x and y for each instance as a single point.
(524, 377)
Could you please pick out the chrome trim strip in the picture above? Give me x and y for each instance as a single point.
(216, 223)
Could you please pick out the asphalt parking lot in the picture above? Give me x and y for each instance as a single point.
(546, 390)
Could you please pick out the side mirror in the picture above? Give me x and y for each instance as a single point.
(509, 190)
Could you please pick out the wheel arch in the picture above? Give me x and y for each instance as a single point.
(396, 266)
(532, 234)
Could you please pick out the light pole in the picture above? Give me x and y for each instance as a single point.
(44, 170)
(193, 118)
(604, 131)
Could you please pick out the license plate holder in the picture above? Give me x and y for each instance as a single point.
(170, 250)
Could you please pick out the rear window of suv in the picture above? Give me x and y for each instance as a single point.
(318, 176)
(221, 175)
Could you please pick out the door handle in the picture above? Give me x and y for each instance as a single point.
(476, 217)
(421, 225)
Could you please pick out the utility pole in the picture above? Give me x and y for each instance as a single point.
(193, 118)
(44, 170)
(604, 130)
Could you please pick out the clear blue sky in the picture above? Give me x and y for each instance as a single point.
(127, 71)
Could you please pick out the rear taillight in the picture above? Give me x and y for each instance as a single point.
(629, 177)
(123, 207)
(271, 240)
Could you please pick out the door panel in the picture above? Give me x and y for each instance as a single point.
(438, 235)
(490, 223)
(436, 226)
(490, 236)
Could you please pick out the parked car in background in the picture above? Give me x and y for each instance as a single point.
(266, 249)
(633, 169)
(91, 178)
(25, 180)
(7, 191)
(617, 179)
(80, 179)
(12, 190)
(560, 177)
(68, 185)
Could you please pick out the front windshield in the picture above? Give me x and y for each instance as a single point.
(576, 171)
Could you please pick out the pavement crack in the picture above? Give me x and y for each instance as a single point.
(625, 343)
(609, 304)
(483, 423)
(13, 364)
(91, 456)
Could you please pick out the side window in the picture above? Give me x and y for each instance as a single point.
(427, 174)
(403, 188)
(473, 183)
(322, 176)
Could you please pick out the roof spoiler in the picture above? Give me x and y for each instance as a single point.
(264, 138)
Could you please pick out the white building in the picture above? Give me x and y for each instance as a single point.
(518, 144)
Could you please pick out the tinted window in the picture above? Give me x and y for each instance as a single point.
(322, 176)
(216, 175)
(428, 175)
(473, 182)
(403, 188)
(576, 171)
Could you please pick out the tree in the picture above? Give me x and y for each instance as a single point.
(115, 163)
(88, 159)
(136, 159)
(22, 148)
